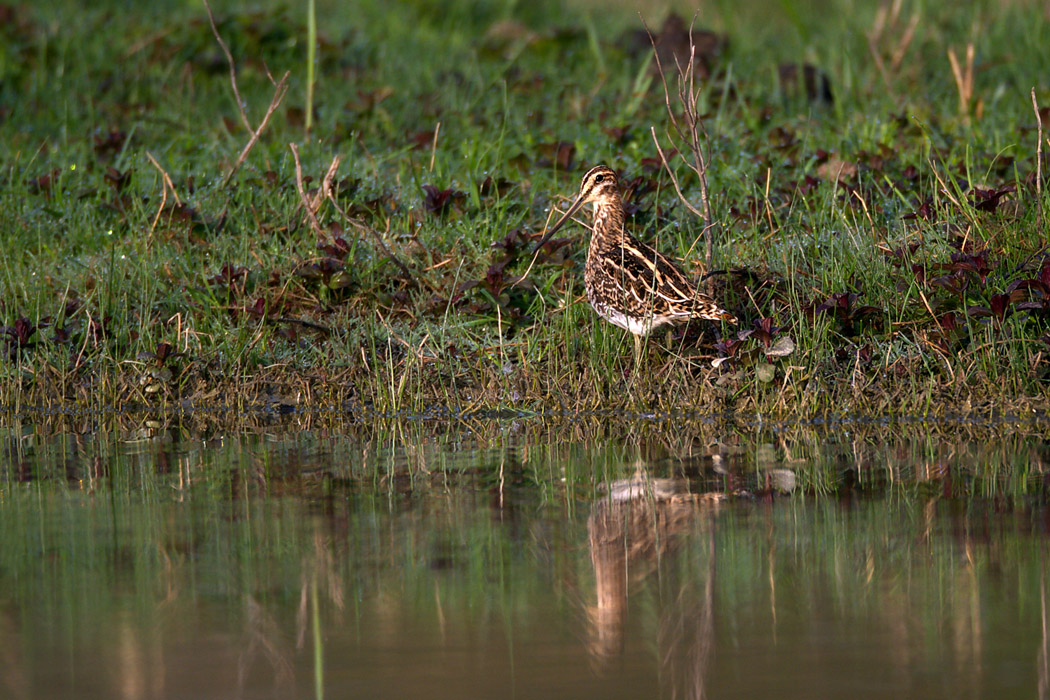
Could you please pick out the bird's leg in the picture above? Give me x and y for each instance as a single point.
(637, 348)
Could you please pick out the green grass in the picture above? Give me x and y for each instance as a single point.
(86, 93)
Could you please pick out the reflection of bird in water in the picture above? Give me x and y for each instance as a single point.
(640, 486)
(631, 530)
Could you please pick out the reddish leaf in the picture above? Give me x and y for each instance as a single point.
(559, 153)
(729, 347)
(1000, 304)
(439, 202)
(978, 311)
(19, 334)
(765, 331)
(116, 179)
(421, 139)
(109, 143)
(924, 211)
(44, 183)
(490, 187)
(1044, 274)
(988, 200)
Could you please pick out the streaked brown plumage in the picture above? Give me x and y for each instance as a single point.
(629, 283)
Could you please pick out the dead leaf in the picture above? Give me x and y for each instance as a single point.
(836, 170)
(782, 348)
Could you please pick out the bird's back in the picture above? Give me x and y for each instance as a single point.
(634, 286)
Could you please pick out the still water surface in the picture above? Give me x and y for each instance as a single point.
(522, 562)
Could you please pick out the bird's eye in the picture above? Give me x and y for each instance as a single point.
(599, 178)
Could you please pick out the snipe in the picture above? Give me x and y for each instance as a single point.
(629, 283)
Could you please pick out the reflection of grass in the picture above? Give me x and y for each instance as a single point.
(399, 534)
(257, 309)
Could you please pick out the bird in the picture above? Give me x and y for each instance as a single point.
(628, 283)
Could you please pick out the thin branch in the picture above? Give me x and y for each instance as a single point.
(1038, 166)
(280, 90)
(326, 184)
(328, 192)
(876, 56)
(902, 46)
(164, 175)
(166, 184)
(307, 204)
(380, 242)
(663, 81)
(885, 25)
(692, 131)
(233, 67)
(963, 79)
(674, 180)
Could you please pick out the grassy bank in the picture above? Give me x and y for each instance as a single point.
(893, 226)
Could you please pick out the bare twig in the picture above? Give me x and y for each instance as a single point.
(166, 184)
(167, 178)
(434, 146)
(280, 89)
(902, 46)
(1038, 167)
(233, 67)
(690, 129)
(327, 192)
(946, 191)
(312, 205)
(361, 226)
(326, 184)
(876, 56)
(674, 180)
(311, 213)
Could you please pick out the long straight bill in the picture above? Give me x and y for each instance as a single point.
(565, 217)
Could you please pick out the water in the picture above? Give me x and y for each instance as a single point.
(518, 560)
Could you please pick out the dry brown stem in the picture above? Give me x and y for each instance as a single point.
(233, 67)
(327, 192)
(280, 89)
(361, 226)
(689, 129)
(1038, 166)
(887, 23)
(310, 206)
(166, 184)
(326, 184)
(963, 79)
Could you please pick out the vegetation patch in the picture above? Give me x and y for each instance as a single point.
(213, 209)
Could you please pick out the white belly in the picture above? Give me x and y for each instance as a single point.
(637, 326)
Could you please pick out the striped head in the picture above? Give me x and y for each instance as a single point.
(599, 187)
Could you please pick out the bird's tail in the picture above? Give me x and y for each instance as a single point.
(726, 316)
(711, 311)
